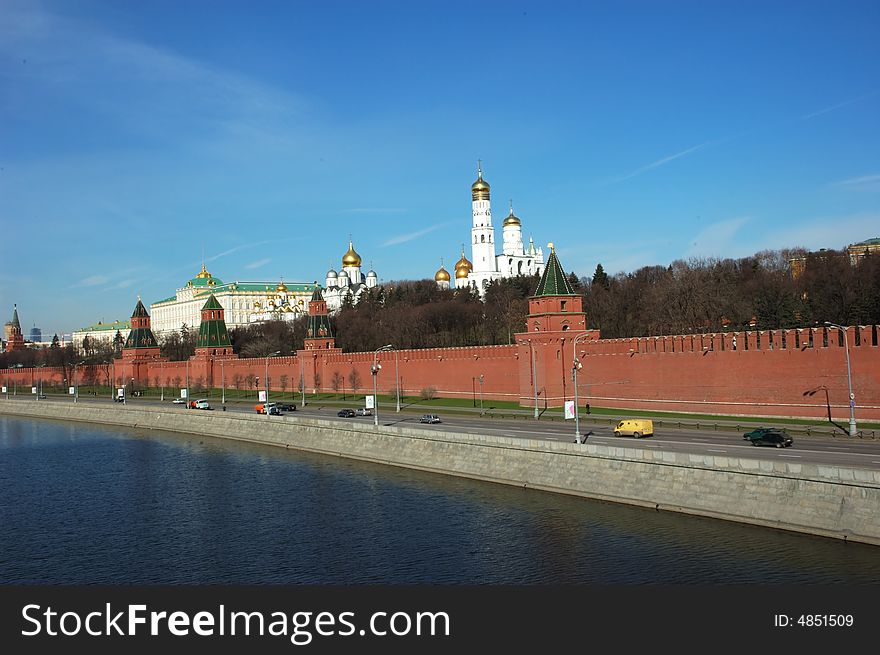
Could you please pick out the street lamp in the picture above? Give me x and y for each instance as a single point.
(302, 383)
(40, 387)
(374, 369)
(481, 395)
(222, 383)
(852, 396)
(266, 402)
(75, 382)
(397, 376)
(575, 367)
(534, 377)
(162, 380)
(187, 383)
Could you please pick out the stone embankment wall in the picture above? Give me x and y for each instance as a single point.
(830, 501)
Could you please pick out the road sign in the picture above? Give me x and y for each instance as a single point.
(852, 403)
(569, 409)
(71, 390)
(120, 392)
(183, 393)
(262, 396)
(371, 404)
(33, 390)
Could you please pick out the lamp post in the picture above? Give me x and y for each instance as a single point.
(76, 382)
(266, 403)
(397, 376)
(187, 382)
(852, 397)
(40, 383)
(222, 383)
(374, 369)
(481, 394)
(162, 380)
(302, 383)
(575, 367)
(534, 377)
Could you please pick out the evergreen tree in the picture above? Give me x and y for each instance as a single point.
(600, 277)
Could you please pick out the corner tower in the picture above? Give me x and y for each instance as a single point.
(14, 337)
(213, 338)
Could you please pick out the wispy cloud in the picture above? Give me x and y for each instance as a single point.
(257, 264)
(374, 210)
(403, 238)
(716, 238)
(663, 161)
(839, 105)
(92, 281)
(863, 183)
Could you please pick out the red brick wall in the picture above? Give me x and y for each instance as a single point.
(688, 373)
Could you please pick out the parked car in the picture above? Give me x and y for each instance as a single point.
(286, 407)
(634, 427)
(273, 408)
(179, 401)
(203, 403)
(778, 438)
(363, 411)
(346, 413)
(429, 418)
(41, 396)
(757, 432)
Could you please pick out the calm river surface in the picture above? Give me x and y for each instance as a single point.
(83, 504)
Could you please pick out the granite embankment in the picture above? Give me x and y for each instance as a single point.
(825, 500)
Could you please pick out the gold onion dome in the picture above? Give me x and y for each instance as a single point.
(512, 219)
(480, 188)
(203, 272)
(463, 267)
(281, 287)
(351, 258)
(442, 275)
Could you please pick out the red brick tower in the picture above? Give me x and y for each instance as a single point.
(14, 337)
(556, 317)
(319, 335)
(141, 347)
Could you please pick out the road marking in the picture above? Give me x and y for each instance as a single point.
(716, 451)
(798, 456)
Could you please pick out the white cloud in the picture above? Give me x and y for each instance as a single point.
(403, 238)
(863, 183)
(92, 281)
(257, 264)
(715, 239)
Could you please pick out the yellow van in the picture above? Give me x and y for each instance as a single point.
(636, 427)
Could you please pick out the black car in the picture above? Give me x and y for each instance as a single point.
(776, 438)
(286, 407)
(757, 432)
(345, 413)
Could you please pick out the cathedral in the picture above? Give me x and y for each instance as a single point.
(350, 280)
(485, 265)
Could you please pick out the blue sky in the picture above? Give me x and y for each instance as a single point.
(136, 136)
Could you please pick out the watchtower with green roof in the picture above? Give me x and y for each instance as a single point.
(213, 338)
(14, 337)
(319, 336)
(555, 307)
(141, 335)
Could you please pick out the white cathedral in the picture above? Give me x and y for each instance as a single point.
(485, 266)
(349, 280)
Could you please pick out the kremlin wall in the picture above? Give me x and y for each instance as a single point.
(780, 373)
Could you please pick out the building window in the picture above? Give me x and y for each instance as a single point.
(562, 305)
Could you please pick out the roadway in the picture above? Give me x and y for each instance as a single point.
(812, 449)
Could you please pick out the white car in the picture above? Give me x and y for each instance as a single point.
(179, 401)
(363, 411)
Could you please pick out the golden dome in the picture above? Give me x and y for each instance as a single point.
(511, 219)
(203, 272)
(480, 188)
(351, 258)
(442, 275)
(463, 267)
(281, 287)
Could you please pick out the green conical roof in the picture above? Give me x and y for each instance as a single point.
(212, 303)
(317, 294)
(14, 320)
(553, 281)
(212, 333)
(140, 311)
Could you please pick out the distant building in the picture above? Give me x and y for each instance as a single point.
(243, 303)
(349, 281)
(14, 338)
(99, 332)
(36, 335)
(858, 251)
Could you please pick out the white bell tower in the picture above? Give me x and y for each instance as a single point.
(482, 235)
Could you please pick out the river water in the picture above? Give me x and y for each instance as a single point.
(85, 504)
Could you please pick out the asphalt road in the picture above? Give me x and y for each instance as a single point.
(814, 449)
